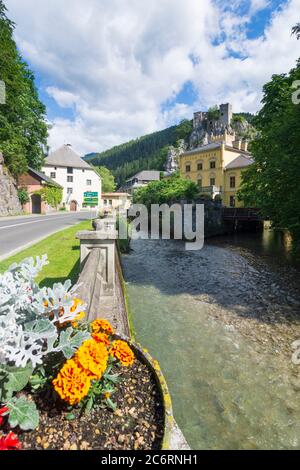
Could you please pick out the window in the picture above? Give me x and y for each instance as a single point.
(212, 165)
(69, 190)
(89, 182)
(110, 202)
(212, 181)
(70, 179)
(53, 175)
(199, 166)
(232, 201)
(232, 181)
(188, 168)
(199, 182)
(70, 171)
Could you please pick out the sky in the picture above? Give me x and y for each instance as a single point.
(112, 70)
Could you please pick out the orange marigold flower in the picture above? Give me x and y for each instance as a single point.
(101, 338)
(102, 326)
(121, 351)
(93, 357)
(72, 383)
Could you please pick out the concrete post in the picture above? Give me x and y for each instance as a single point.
(105, 241)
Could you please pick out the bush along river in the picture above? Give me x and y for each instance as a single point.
(222, 321)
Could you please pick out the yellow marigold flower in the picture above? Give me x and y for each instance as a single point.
(121, 351)
(93, 357)
(101, 338)
(78, 317)
(107, 396)
(76, 303)
(72, 383)
(102, 326)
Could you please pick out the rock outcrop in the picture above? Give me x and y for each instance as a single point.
(174, 153)
(9, 201)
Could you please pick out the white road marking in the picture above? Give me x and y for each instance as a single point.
(36, 221)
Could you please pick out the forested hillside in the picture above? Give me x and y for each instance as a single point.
(147, 152)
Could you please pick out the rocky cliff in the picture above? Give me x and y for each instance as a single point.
(9, 201)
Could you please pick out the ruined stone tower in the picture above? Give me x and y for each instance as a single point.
(226, 114)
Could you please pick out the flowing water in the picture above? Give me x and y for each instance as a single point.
(227, 393)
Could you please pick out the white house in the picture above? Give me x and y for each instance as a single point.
(81, 183)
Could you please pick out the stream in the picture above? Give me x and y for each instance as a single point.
(221, 322)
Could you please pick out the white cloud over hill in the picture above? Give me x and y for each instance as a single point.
(117, 62)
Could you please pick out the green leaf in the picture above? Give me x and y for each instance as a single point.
(13, 380)
(23, 413)
(89, 405)
(70, 417)
(70, 341)
(43, 328)
(111, 404)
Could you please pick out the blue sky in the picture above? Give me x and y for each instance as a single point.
(109, 71)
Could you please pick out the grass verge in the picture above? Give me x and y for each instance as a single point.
(63, 253)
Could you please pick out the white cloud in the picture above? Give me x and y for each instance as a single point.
(116, 62)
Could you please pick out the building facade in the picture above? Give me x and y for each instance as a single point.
(143, 178)
(114, 201)
(81, 183)
(34, 182)
(217, 167)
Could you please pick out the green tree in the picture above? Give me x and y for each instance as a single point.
(214, 113)
(296, 30)
(108, 180)
(272, 182)
(167, 190)
(184, 129)
(23, 129)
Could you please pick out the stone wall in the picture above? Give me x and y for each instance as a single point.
(9, 201)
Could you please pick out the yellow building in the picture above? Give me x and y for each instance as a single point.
(111, 202)
(217, 167)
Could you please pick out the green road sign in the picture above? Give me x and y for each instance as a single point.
(89, 195)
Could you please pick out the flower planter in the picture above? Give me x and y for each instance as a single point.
(67, 384)
(165, 397)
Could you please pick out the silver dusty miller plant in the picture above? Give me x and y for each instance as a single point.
(30, 317)
(34, 323)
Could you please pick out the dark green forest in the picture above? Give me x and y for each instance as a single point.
(145, 153)
(23, 128)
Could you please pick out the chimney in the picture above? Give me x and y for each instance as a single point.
(244, 145)
(237, 144)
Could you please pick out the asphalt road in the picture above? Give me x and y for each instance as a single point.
(17, 233)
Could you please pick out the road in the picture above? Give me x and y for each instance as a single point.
(17, 233)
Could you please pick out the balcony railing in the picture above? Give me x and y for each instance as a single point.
(210, 189)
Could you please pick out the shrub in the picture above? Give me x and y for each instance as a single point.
(52, 195)
(23, 196)
(167, 190)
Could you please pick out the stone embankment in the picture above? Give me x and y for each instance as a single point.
(9, 201)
